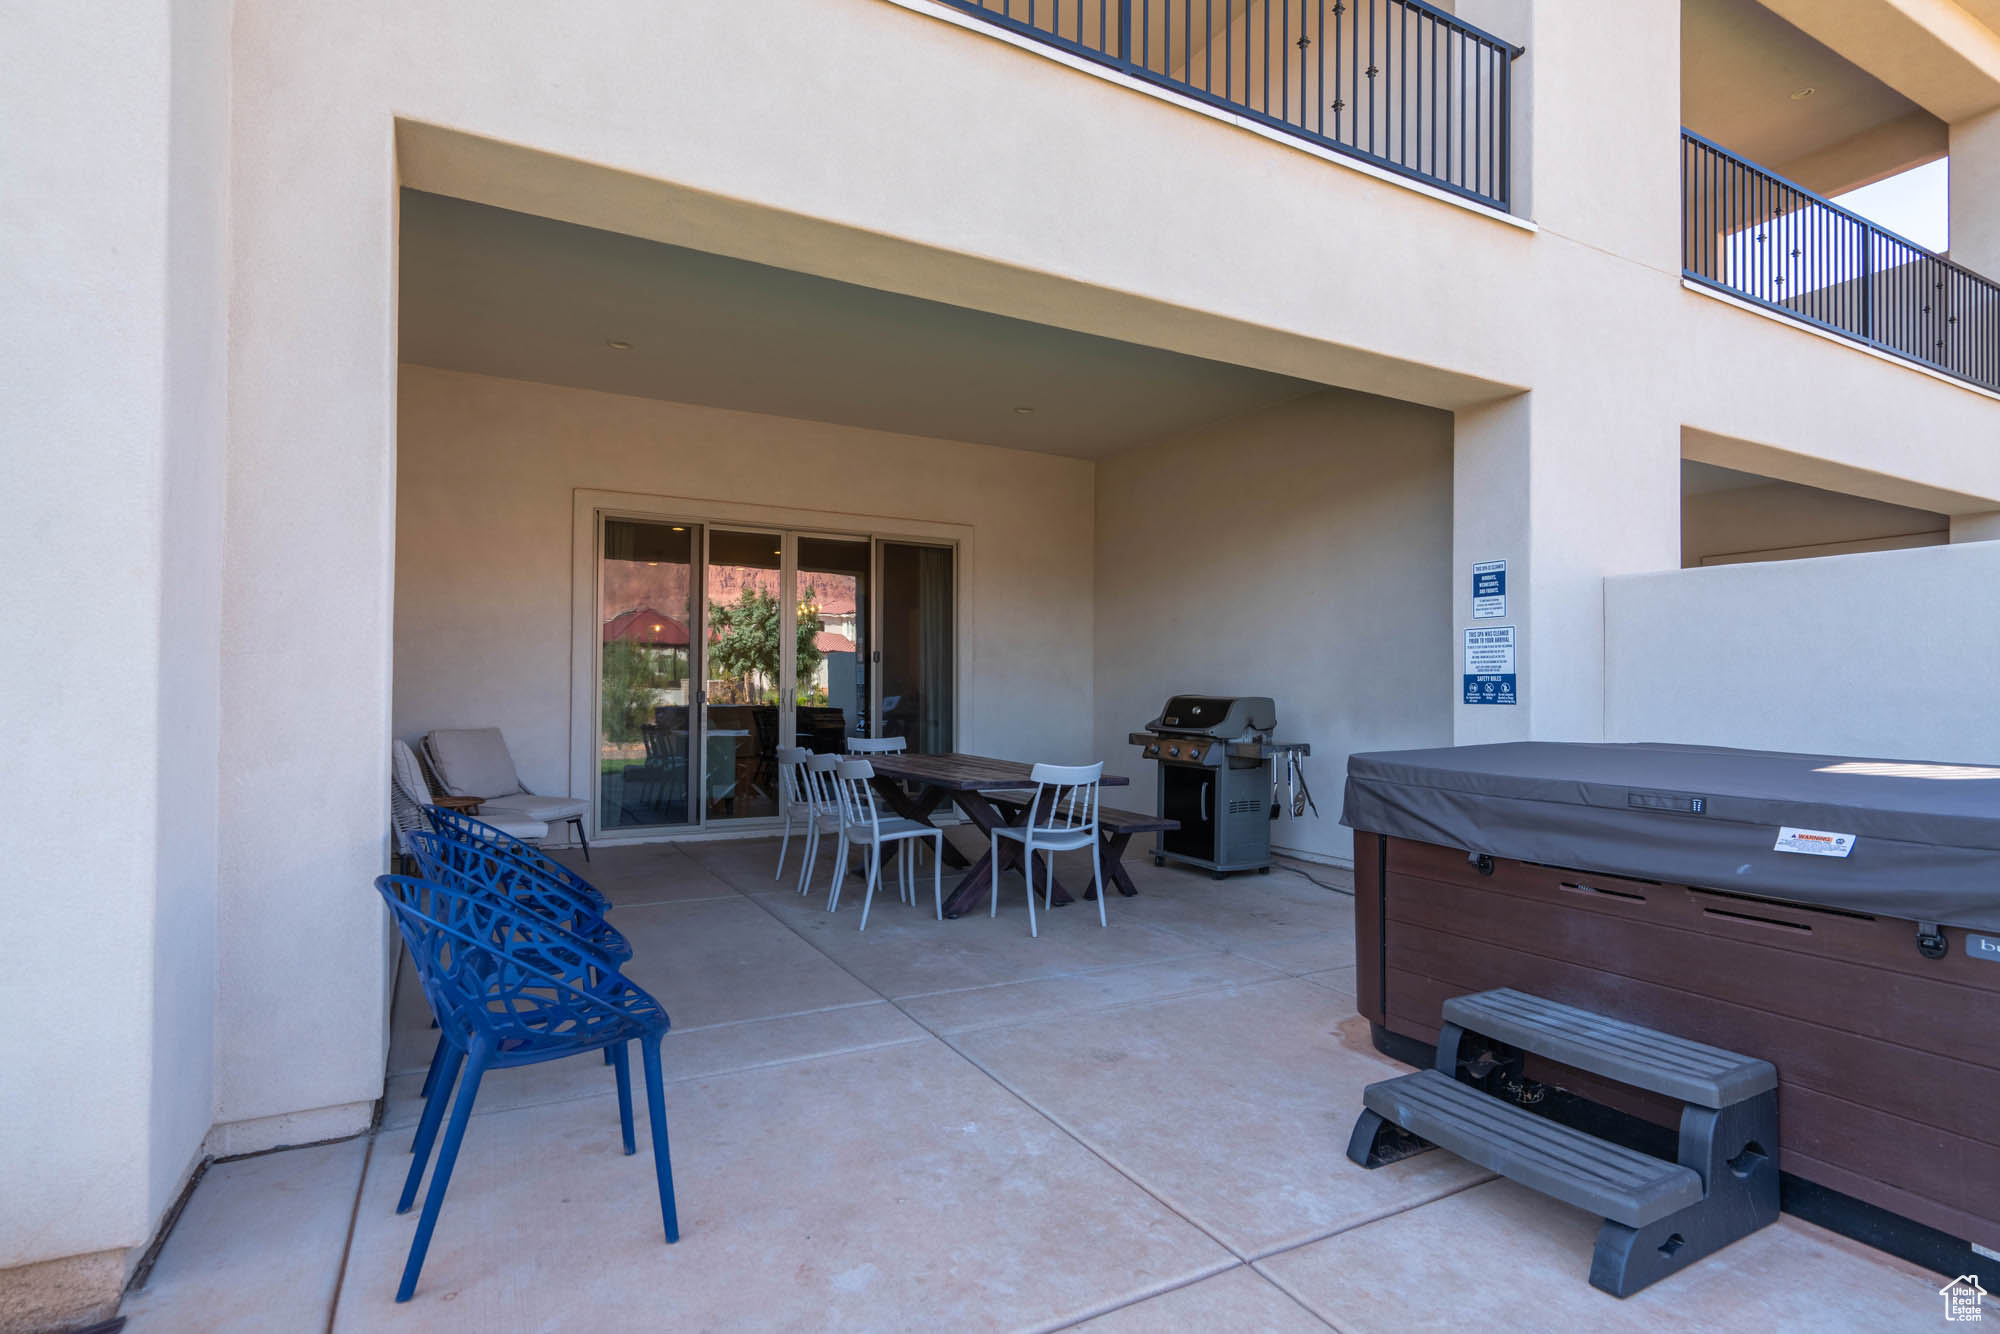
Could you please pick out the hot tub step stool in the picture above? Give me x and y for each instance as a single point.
(1659, 1217)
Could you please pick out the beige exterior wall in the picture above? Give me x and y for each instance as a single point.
(486, 477)
(1885, 654)
(1576, 367)
(1303, 552)
(113, 220)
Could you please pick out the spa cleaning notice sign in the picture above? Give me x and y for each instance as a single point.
(1489, 590)
(1489, 665)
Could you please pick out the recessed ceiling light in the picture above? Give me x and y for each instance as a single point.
(679, 529)
(1802, 94)
(1024, 411)
(618, 345)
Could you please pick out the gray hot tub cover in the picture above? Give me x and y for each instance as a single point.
(1925, 837)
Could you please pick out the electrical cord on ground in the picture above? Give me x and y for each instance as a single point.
(1299, 868)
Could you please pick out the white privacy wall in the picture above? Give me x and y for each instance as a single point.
(1302, 552)
(1888, 653)
(486, 475)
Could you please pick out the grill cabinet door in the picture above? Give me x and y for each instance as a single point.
(1188, 795)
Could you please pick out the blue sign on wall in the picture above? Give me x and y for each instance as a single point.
(1489, 589)
(1489, 665)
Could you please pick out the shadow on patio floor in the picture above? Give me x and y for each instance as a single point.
(950, 1125)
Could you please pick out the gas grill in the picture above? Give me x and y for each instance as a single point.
(1217, 759)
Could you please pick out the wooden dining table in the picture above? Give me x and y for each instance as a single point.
(914, 786)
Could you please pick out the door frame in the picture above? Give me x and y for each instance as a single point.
(590, 507)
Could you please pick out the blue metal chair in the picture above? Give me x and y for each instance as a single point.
(465, 829)
(508, 989)
(489, 866)
(482, 864)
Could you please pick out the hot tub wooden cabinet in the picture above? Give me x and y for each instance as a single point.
(1879, 1009)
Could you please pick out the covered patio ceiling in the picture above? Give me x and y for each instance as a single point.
(1766, 90)
(508, 294)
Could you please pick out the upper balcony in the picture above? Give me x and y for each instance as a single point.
(1788, 112)
(1399, 84)
(1751, 233)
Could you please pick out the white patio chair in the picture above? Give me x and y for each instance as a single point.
(474, 762)
(816, 779)
(410, 792)
(792, 797)
(1063, 818)
(879, 745)
(861, 825)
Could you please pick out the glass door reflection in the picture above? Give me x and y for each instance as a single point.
(918, 645)
(645, 609)
(746, 659)
(831, 694)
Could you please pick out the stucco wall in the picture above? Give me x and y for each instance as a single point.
(112, 334)
(85, 365)
(487, 469)
(1887, 653)
(1302, 552)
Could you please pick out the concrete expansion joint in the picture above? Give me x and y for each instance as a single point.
(1067, 1131)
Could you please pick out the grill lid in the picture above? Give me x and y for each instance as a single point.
(1224, 716)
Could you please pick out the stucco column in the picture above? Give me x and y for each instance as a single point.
(1976, 527)
(302, 950)
(1538, 483)
(1975, 184)
(1579, 478)
(1596, 124)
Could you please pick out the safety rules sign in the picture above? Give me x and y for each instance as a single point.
(1489, 665)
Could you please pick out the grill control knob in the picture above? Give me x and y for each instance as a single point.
(1153, 749)
(1193, 753)
(1174, 751)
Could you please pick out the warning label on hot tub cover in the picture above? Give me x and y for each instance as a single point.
(1814, 842)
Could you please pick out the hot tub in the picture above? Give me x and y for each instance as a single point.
(1838, 917)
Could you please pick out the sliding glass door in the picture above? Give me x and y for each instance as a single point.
(718, 644)
(834, 685)
(748, 667)
(919, 666)
(646, 615)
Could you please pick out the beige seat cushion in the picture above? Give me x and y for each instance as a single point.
(528, 831)
(522, 806)
(472, 762)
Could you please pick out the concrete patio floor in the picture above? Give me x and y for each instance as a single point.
(950, 1125)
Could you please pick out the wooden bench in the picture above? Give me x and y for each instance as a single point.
(1115, 827)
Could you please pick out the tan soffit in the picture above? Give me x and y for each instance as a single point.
(1892, 147)
(1986, 11)
(1941, 55)
(495, 292)
(1742, 70)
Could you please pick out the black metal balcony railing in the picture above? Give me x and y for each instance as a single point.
(1755, 235)
(1393, 82)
